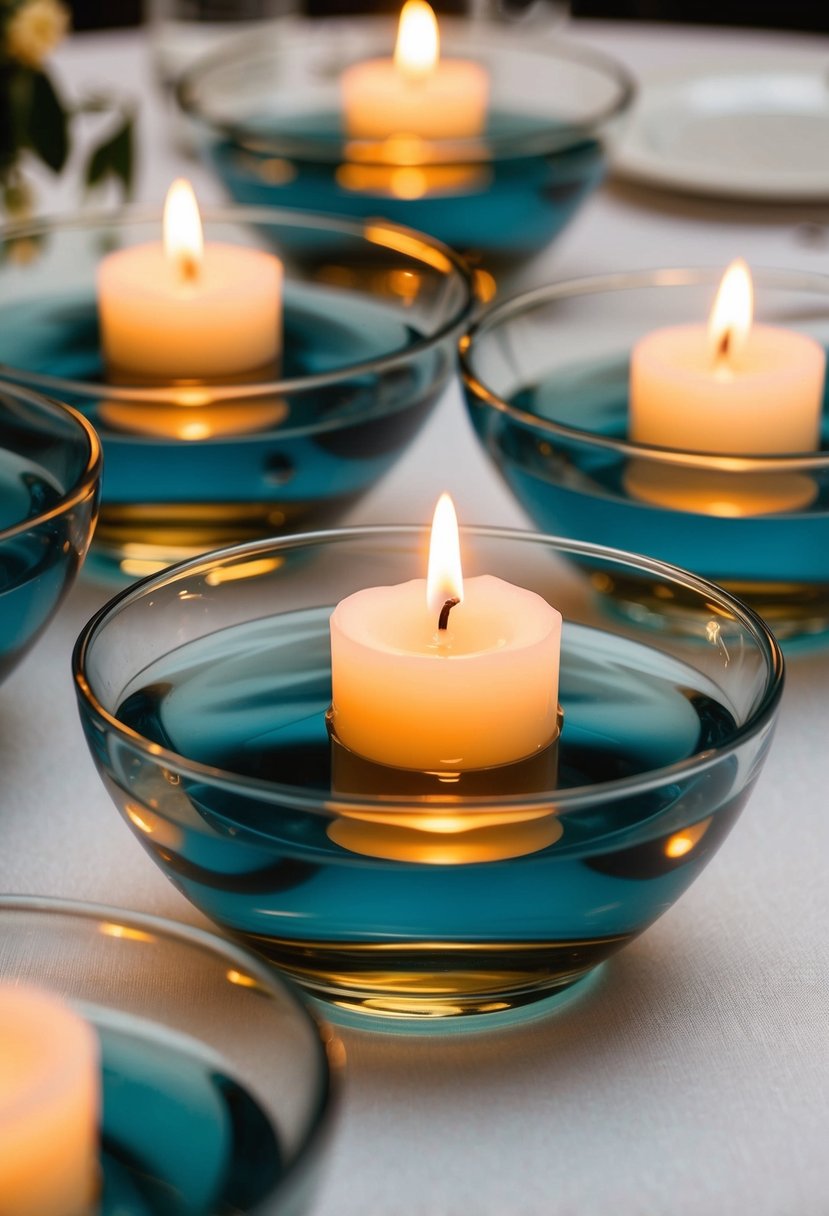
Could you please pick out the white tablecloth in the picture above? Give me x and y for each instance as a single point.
(692, 1081)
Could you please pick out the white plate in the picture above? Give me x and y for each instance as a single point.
(746, 130)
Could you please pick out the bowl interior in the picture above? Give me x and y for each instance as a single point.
(260, 615)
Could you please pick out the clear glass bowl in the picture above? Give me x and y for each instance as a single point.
(50, 472)
(546, 380)
(216, 1081)
(271, 115)
(371, 317)
(203, 694)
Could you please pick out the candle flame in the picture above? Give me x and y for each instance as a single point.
(183, 241)
(417, 50)
(731, 316)
(444, 580)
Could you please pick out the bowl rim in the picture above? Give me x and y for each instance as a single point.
(378, 231)
(329, 1057)
(327, 149)
(568, 800)
(89, 477)
(478, 393)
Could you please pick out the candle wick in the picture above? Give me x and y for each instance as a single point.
(724, 347)
(189, 267)
(443, 619)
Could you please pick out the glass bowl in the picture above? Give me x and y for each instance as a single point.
(50, 472)
(546, 381)
(203, 694)
(271, 116)
(216, 1082)
(371, 317)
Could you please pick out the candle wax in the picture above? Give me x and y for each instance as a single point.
(767, 400)
(158, 323)
(380, 101)
(49, 1086)
(482, 693)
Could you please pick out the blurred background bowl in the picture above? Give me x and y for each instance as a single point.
(270, 114)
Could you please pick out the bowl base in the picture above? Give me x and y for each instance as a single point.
(137, 539)
(791, 609)
(432, 982)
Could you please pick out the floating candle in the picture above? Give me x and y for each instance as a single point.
(188, 310)
(416, 93)
(49, 1085)
(735, 389)
(446, 674)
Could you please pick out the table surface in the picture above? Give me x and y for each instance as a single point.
(693, 1078)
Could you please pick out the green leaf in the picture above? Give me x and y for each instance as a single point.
(47, 133)
(16, 84)
(113, 158)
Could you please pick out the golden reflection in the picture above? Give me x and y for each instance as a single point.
(191, 419)
(444, 840)
(410, 246)
(241, 980)
(243, 570)
(717, 492)
(126, 932)
(681, 843)
(407, 181)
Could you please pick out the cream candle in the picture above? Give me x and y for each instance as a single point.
(49, 1085)
(446, 674)
(735, 388)
(188, 310)
(416, 93)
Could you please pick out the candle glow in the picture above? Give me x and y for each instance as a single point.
(729, 324)
(444, 577)
(417, 50)
(182, 229)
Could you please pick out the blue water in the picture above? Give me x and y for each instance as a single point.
(178, 1137)
(252, 700)
(35, 565)
(509, 208)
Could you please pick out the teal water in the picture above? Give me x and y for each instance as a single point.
(570, 488)
(510, 207)
(326, 447)
(33, 563)
(178, 1136)
(252, 700)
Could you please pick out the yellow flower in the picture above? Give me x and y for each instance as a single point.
(35, 29)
